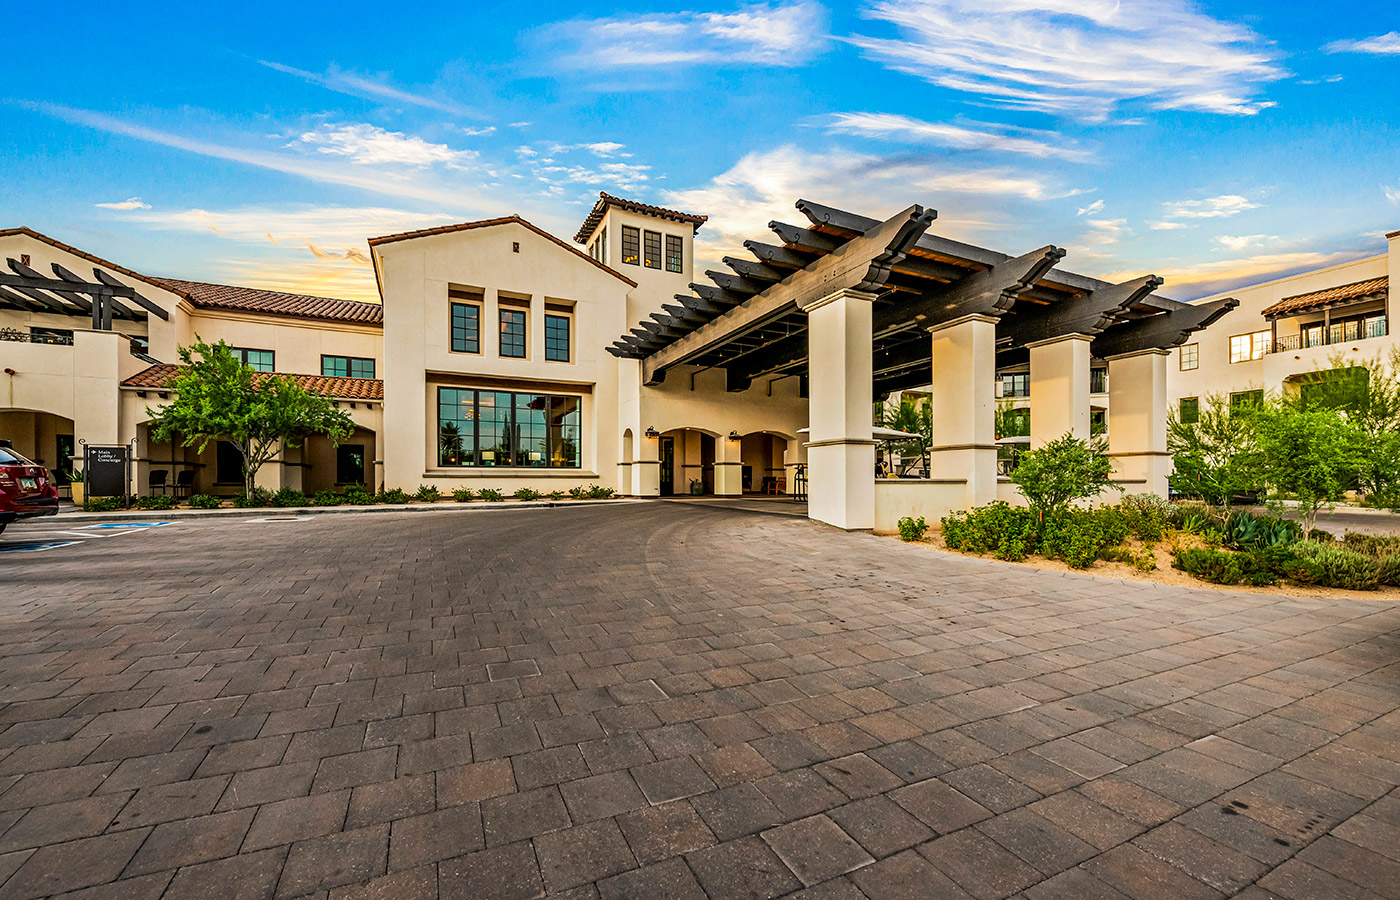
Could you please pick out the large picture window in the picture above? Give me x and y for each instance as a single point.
(513, 323)
(556, 337)
(466, 328)
(652, 247)
(508, 428)
(674, 251)
(631, 246)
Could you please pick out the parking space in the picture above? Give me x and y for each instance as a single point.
(667, 700)
(37, 536)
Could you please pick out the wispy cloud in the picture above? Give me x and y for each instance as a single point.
(479, 132)
(128, 203)
(785, 33)
(1237, 243)
(890, 126)
(1105, 231)
(373, 146)
(1387, 43)
(1096, 206)
(1078, 58)
(355, 85)
(1391, 193)
(1221, 207)
(1207, 277)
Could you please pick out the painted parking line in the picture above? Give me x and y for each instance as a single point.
(132, 525)
(54, 538)
(33, 546)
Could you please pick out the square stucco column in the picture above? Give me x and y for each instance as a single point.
(964, 406)
(729, 468)
(1059, 388)
(841, 452)
(646, 466)
(1137, 421)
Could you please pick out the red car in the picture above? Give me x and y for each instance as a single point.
(26, 489)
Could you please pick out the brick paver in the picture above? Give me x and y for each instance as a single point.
(656, 701)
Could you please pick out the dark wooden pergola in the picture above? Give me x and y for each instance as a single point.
(749, 321)
(101, 300)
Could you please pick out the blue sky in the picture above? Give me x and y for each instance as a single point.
(1213, 144)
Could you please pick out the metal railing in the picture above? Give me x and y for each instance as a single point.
(23, 337)
(1336, 333)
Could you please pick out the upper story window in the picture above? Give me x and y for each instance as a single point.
(466, 327)
(556, 335)
(675, 248)
(1245, 347)
(1018, 385)
(651, 255)
(1190, 357)
(631, 246)
(1098, 381)
(514, 321)
(261, 360)
(346, 367)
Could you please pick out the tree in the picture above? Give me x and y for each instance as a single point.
(1062, 471)
(1309, 454)
(1368, 393)
(1214, 457)
(914, 418)
(219, 398)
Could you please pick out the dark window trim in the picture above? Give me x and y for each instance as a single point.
(348, 365)
(242, 354)
(649, 260)
(568, 320)
(524, 313)
(631, 236)
(673, 241)
(514, 448)
(451, 315)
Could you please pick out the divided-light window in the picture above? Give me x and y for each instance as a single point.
(674, 252)
(1017, 385)
(466, 328)
(631, 246)
(1190, 357)
(506, 428)
(651, 257)
(1190, 410)
(513, 324)
(556, 337)
(1246, 347)
(346, 367)
(260, 360)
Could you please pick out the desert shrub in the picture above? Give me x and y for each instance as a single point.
(1005, 531)
(557, 495)
(327, 498)
(526, 493)
(1245, 531)
(156, 501)
(358, 495)
(1320, 536)
(597, 492)
(912, 529)
(1066, 469)
(1334, 565)
(393, 495)
(1215, 566)
(1148, 515)
(101, 504)
(1372, 544)
(259, 498)
(426, 493)
(205, 501)
(1080, 536)
(464, 495)
(578, 493)
(491, 495)
(287, 497)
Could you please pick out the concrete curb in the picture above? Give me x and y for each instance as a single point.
(266, 511)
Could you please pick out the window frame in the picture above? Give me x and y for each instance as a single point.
(524, 313)
(349, 365)
(1239, 403)
(1010, 377)
(1195, 348)
(476, 307)
(631, 236)
(242, 354)
(554, 433)
(649, 260)
(677, 243)
(1181, 410)
(1258, 347)
(568, 319)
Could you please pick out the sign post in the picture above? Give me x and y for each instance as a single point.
(107, 471)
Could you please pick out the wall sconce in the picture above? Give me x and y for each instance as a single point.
(652, 432)
(734, 436)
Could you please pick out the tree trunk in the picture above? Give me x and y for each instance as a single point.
(249, 473)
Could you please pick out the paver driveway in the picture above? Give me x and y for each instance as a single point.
(652, 701)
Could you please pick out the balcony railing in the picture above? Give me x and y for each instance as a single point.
(23, 337)
(1337, 333)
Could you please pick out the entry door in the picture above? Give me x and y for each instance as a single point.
(667, 448)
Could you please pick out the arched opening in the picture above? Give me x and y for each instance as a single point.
(44, 437)
(762, 455)
(687, 459)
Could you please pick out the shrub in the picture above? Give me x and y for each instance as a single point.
(1388, 572)
(1005, 531)
(527, 494)
(557, 495)
(393, 495)
(578, 493)
(464, 495)
(327, 498)
(1320, 536)
(912, 529)
(1215, 566)
(1245, 531)
(1334, 565)
(491, 495)
(1062, 471)
(1372, 544)
(101, 504)
(358, 495)
(259, 498)
(426, 493)
(156, 501)
(1078, 537)
(205, 501)
(287, 497)
(1147, 515)
(597, 492)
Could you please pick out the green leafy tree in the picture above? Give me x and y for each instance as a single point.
(1062, 471)
(1216, 456)
(1309, 454)
(914, 418)
(1369, 394)
(219, 398)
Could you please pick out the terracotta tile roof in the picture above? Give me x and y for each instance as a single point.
(274, 303)
(488, 223)
(605, 200)
(1318, 299)
(159, 375)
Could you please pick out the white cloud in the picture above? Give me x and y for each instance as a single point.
(128, 203)
(355, 85)
(370, 145)
(1096, 206)
(1206, 277)
(1168, 226)
(1078, 58)
(889, 126)
(784, 33)
(479, 132)
(1221, 207)
(1382, 43)
(1105, 231)
(1240, 242)
(1391, 193)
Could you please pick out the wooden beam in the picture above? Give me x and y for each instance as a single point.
(805, 238)
(1159, 332)
(1089, 314)
(735, 284)
(701, 305)
(154, 309)
(769, 255)
(19, 301)
(685, 314)
(754, 271)
(861, 264)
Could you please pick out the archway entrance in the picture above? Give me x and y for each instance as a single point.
(762, 455)
(687, 457)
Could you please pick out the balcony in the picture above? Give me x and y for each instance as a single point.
(20, 337)
(1336, 333)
